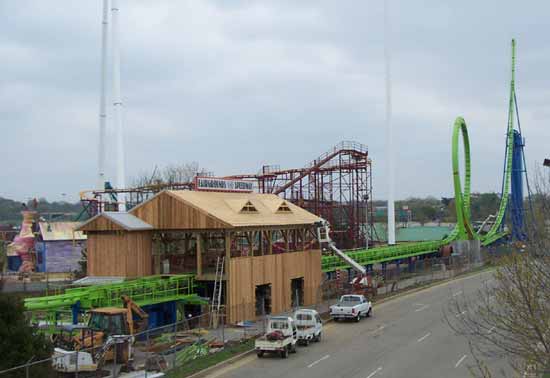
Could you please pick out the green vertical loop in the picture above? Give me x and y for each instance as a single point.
(462, 197)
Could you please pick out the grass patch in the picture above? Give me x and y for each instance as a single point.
(210, 360)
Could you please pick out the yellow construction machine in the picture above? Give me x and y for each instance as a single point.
(107, 337)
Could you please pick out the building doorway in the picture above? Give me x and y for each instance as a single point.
(297, 292)
(263, 300)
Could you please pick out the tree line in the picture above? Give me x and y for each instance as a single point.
(10, 210)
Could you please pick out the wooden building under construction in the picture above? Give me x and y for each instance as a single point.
(266, 246)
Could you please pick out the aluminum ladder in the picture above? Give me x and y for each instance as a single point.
(217, 293)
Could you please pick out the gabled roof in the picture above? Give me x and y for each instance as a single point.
(184, 209)
(115, 221)
(218, 205)
(55, 231)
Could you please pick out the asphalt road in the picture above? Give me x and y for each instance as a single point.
(406, 337)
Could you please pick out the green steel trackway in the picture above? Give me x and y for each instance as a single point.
(463, 229)
(143, 291)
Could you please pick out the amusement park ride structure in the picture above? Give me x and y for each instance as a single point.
(336, 186)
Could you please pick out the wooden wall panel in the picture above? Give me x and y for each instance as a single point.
(166, 212)
(126, 254)
(245, 273)
(101, 224)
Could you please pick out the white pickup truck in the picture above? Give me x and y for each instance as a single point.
(281, 337)
(351, 307)
(309, 324)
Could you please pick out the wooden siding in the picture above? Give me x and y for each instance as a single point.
(245, 273)
(101, 224)
(126, 254)
(166, 212)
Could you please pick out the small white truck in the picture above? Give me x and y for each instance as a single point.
(351, 306)
(309, 324)
(281, 337)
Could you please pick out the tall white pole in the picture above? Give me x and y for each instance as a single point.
(367, 224)
(117, 106)
(389, 127)
(103, 96)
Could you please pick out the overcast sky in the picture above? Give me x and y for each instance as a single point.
(234, 85)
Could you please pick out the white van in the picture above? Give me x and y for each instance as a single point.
(309, 324)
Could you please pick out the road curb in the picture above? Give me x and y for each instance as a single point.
(221, 364)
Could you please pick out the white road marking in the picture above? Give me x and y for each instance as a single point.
(462, 313)
(457, 293)
(491, 330)
(424, 337)
(422, 308)
(374, 372)
(319, 360)
(460, 361)
(381, 327)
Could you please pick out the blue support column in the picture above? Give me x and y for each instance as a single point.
(410, 264)
(75, 310)
(515, 206)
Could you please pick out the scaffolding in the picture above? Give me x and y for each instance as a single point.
(97, 201)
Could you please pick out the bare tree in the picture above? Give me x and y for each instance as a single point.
(169, 175)
(145, 178)
(508, 319)
(541, 200)
(182, 173)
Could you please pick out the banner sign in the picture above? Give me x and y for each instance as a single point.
(222, 185)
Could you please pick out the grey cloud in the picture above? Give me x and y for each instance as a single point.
(234, 85)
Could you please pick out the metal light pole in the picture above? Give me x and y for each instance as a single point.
(367, 221)
(117, 106)
(103, 96)
(389, 128)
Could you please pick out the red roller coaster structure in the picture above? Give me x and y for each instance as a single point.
(336, 186)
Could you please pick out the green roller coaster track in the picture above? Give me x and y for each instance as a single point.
(463, 229)
(143, 291)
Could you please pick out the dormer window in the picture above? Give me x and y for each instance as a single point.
(283, 208)
(249, 208)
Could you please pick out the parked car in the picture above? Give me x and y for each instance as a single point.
(309, 324)
(281, 337)
(351, 307)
